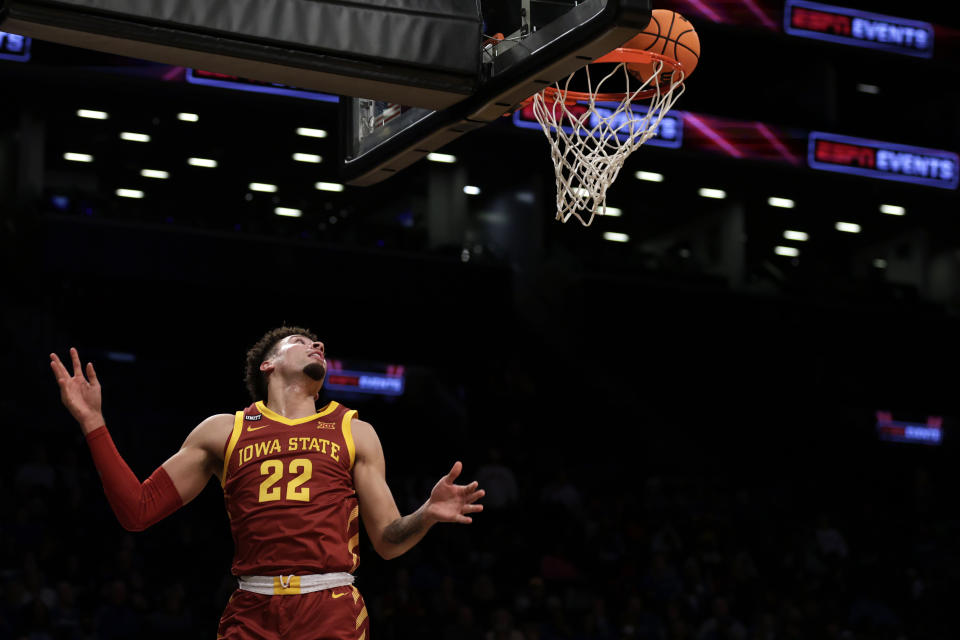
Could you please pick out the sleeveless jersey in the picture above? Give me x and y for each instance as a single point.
(288, 490)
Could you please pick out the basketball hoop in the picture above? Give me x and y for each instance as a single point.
(591, 133)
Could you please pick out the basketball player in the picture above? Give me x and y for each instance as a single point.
(294, 479)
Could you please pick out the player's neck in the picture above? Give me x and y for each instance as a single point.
(292, 401)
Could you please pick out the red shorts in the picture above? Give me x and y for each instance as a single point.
(330, 614)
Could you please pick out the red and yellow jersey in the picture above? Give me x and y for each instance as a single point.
(288, 489)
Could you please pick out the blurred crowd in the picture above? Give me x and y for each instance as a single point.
(584, 537)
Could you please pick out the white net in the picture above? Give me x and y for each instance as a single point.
(592, 135)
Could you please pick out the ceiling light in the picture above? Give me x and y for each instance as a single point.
(262, 186)
(799, 236)
(847, 227)
(329, 186)
(311, 133)
(872, 89)
(307, 157)
(649, 176)
(613, 236)
(791, 252)
(441, 157)
(78, 157)
(129, 193)
(134, 137)
(892, 210)
(288, 212)
(613, 212)
(783, 203)
(471, 190)
(718, 194)
(880, 263)
(154, 173)
(202, 162)
(93, 115)
(188, 117)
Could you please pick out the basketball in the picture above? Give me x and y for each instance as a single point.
(669, 34)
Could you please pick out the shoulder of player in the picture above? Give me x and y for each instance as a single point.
(362, 428)
(364, 435)
(212, 433)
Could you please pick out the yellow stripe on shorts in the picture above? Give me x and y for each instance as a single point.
(361, 617)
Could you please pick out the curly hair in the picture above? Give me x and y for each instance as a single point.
(265, 347)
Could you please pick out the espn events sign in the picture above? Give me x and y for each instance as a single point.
(365, 382)
(929, 432)
(669, 133)
(858, 28)
(14, 47)
(883, 160)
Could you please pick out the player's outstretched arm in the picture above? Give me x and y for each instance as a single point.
(391, 534)
(181, 478)
(80, 396)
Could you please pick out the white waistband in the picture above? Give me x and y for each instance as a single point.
(294, 585)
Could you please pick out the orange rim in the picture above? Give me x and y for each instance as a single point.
(620, 54)
(494, 39)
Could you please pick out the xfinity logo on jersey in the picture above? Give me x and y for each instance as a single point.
(14, 47)
(858, 28)
(883, 160)
(256, 417)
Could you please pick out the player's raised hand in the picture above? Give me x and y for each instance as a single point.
(80, 395)
(451, 502)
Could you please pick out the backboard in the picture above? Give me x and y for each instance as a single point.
(552, 40)
(420, 52)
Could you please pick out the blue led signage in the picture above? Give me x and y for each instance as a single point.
(929, 432)
(669, 133)
(365, 382)
(14, 47)
(858, 28)
(210, 79)
(883, 160)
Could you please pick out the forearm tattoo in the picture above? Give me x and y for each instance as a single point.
(401, 529)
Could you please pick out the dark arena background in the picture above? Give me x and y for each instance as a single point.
(728, 412)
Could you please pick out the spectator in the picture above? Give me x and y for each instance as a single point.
(502, 626)
(498, 481)
(36, 473)
(464, 626)
(640, 622)
(661, 581)
(66, 616)
(829, 540)
(116, 619)
(721, 625)
(560, 491)
(597, 624)
(172, 618)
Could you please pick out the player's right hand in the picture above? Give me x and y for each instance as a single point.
(80, 396)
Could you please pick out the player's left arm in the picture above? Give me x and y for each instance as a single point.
(390, 533)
